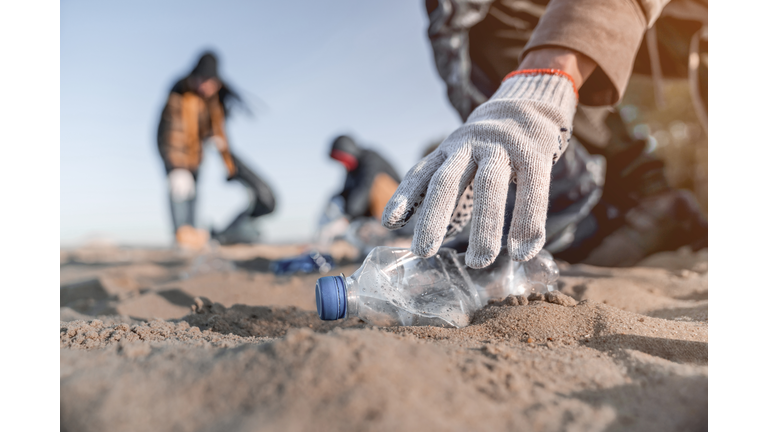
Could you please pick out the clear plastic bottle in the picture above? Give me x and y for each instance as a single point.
(506, 277)
(395, 287)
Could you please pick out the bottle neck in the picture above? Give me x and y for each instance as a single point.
(350, 286)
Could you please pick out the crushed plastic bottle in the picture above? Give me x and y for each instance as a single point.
(395, 287)
(506, 277)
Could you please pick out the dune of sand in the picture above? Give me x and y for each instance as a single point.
(158, 340)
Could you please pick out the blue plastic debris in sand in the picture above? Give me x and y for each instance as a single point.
(306, 263)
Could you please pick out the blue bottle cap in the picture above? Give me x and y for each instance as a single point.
(331, 297)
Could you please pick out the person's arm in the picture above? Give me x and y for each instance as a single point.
(575, 64)
(220, 137)
(522, 130)
(608, 32)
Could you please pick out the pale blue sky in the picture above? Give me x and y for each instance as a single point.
(318, 68)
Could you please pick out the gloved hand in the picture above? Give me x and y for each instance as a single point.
(517, 135)
(181, 184)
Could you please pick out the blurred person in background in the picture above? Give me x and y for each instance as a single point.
(195, 114)
(355, 212)
(533, 81)
(370, 180)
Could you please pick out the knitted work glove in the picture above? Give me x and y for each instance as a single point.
(182, 185)
(517, 135)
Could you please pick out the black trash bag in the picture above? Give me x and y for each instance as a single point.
(261, 202)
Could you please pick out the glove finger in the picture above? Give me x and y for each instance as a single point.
(490, 196)
(448, 182)
(527, 233)
(462, 214)
(411, 191)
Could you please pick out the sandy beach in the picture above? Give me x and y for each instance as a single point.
(157, 339)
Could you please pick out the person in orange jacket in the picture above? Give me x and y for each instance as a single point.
(195, 112)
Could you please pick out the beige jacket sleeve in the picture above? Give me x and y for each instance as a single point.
(607, 31)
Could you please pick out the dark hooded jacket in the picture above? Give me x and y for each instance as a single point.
(368, 186)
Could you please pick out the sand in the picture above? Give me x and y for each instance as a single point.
(160, 340)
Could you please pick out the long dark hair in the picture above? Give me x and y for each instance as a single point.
(229, 99)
